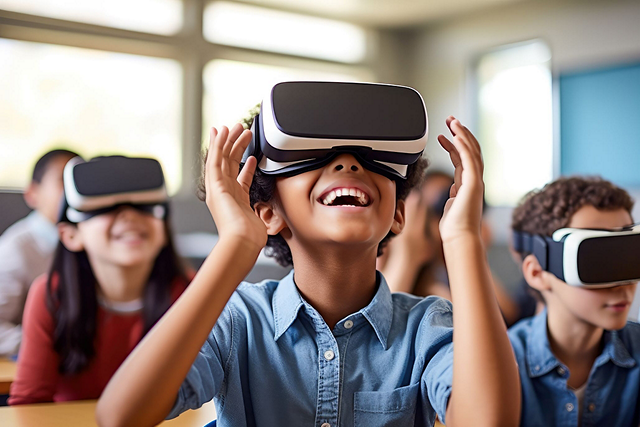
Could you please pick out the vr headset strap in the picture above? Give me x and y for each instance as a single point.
(548, 252)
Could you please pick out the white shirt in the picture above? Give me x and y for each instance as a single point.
(26, 252)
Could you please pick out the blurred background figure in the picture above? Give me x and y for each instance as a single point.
(414, 261)
(26, 248)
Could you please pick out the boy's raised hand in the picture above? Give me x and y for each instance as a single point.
(463, 210)
(227, 192)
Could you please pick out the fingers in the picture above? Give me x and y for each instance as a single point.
(240, 146)
(451, 149)
(234, 133)
(246, 174)
(216, 144)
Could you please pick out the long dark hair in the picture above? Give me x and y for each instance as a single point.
(72, 301)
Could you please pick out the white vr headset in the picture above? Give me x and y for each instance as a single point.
(586, 257)
(105, 183)
(304, 125)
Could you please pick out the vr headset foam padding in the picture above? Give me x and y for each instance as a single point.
(103, 183)
(585, 257)
(304, 125)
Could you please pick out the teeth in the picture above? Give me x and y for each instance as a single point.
(362, 198)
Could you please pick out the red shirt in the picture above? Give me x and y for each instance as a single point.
(37, 378)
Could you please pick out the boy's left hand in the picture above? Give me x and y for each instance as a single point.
(463, 211)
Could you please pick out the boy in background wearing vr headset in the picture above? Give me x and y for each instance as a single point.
(579, 360)
(114, 273)
(329, 344)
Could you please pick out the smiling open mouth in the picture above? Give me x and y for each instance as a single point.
(345, 197)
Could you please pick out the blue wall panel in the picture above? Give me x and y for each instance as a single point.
(600, 124)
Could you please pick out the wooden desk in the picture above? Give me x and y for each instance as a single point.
(7, 374)
(82, 413)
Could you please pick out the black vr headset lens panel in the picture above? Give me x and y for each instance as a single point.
(608, 260)
(117, 174)
(104, 183)
(334, 110)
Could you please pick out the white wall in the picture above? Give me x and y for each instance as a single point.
(581, 34)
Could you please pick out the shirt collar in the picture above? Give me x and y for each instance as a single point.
(287, 302)
(541, 360)
(285, 305)
(615, 350)
(539, 356)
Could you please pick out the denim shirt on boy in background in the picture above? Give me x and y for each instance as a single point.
(612, 395)
(271, 360)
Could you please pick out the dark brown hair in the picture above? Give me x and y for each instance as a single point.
(551, 208)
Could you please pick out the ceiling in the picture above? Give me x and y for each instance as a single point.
(383, 13)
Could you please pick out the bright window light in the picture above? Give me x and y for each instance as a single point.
(89, 101)
(232, 89)
(150, 16)
(515, 120)
(270, 30)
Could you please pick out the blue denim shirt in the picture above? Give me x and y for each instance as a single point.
(271, 360)
(612, 395)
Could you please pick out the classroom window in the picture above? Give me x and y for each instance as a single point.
(247, 26)
(515, 120)
(151, 16)
(90, 101)
(232, 88)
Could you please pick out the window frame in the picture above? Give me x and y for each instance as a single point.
(188, 47)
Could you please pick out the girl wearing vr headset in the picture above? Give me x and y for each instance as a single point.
(580, 358)
(329, 344)
(114, 274)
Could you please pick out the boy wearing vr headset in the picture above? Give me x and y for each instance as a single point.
(329, 344)
(579, 359)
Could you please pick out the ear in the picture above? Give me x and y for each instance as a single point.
(535, 276)
(70, 237)
(272, 219)
(398, 218)
(31, 195)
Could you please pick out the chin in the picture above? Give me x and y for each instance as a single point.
(614, 324)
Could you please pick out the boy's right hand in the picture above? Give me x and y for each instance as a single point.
(227, 192)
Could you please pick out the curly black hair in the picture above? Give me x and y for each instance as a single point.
(263, 189)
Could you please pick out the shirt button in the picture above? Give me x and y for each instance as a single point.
(569, 407)
(561, 371)
(348, 324)
(537, 368)
(329, 356)
(325, 425)
(592, 407)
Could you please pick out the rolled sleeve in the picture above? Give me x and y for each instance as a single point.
(437, 378)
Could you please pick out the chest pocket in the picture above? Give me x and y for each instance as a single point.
(386, 408)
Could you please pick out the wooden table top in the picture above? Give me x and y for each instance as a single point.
(7, 374)
(82, 413)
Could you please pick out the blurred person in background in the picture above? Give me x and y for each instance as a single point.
(114, 273)
(26, 248)
(414, 263)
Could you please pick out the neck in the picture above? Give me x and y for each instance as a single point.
(574, 342)
(336, 282)
(121, 284)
